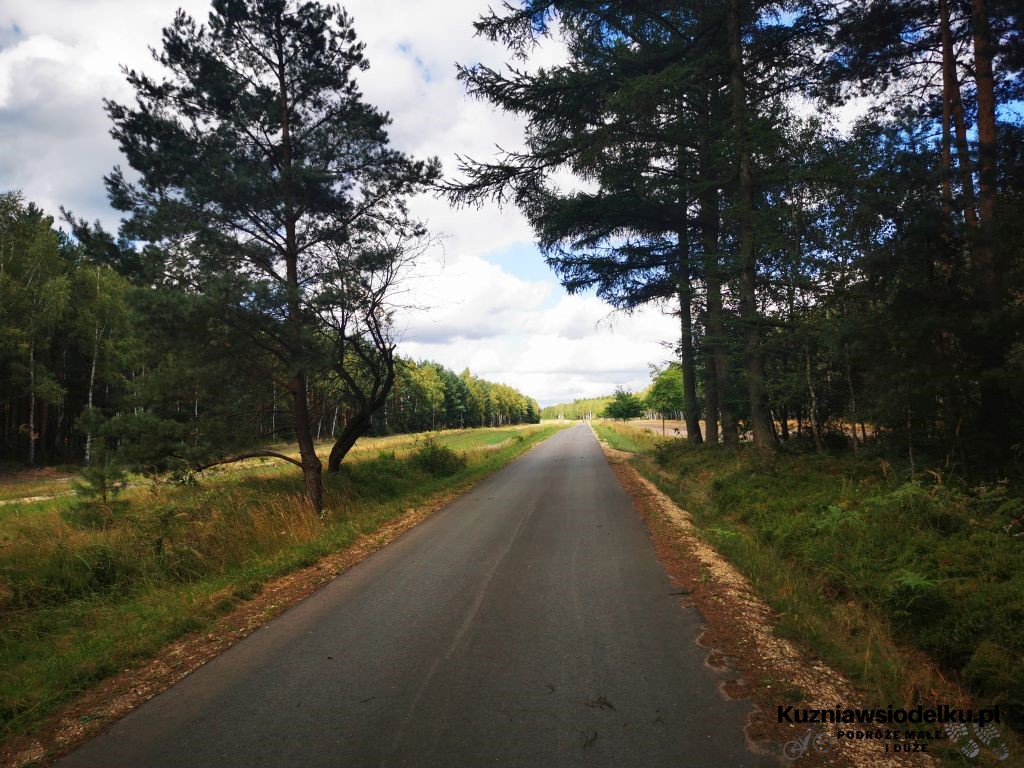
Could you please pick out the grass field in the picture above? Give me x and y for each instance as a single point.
(911, 585)
(88, 588)
(19, 484)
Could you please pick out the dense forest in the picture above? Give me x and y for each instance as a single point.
(863, 279)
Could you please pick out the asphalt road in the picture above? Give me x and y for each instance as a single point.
(527, 624)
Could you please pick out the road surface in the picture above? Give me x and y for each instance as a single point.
(526, 624)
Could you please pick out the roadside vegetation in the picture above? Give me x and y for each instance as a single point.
(88, 587)
(631, 439)
(910, 583)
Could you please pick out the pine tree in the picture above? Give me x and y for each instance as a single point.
(663, 108)
(260, 163)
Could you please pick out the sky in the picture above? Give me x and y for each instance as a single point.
(489, 301)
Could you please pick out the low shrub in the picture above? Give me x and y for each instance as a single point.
(379, 478)
(996, 674)
(437, 460)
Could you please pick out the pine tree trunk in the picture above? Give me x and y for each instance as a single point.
(62, 436)
(763, 433)
(92, 385)
(853, 399)
(951, 81)
(311, 466)
(948, 75)
(986, 272)
(355, 428)
(815, 428)
(715, 336)
(195, 414)
(710, 401)
(690, 411)
(910, 439)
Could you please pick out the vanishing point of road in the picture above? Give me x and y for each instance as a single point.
(526, 624)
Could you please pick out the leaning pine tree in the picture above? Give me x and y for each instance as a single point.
(259, 162)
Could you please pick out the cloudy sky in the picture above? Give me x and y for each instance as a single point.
(492, 303)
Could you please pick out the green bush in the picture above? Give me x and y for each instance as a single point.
(913, 599)
(380, 478)
(668, 451)
(104, 477)
(437, 460)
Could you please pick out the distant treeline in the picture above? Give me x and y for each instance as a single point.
(586, 408)
(429, 396)
(84, 351)
(662, 398)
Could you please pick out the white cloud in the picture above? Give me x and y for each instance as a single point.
(465, 297)
(60, 58)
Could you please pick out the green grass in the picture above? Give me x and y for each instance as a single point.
(625, 438)
(11, 490)
(34, 486)
(11, 514)
(87, 589)
(369, 447)
(867, 565)
(474, 438)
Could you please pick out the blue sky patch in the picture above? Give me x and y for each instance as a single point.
(10, 35)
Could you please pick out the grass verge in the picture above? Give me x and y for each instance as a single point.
(622, 437)
(87, 589)
(911, 586)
